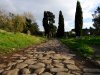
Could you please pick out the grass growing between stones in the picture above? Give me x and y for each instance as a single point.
(10, 42)
(82, 45)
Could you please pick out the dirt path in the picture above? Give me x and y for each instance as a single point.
(50, 58)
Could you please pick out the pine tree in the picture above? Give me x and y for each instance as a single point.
(60, 31)
(78, 20)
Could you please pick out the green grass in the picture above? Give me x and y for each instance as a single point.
(10, 42)
(83, 45)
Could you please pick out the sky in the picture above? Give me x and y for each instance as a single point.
(68, 8)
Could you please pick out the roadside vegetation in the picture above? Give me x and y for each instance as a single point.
(10, 42)
(83, 46)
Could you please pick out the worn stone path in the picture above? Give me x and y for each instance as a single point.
(50, 58)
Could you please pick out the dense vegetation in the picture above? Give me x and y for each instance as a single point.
(18, 22)
(10, 42)
(49, 27)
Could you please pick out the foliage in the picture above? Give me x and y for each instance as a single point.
(32, 27)
(18, 23)
(60, 31)
(78, 19)
(10, 42)
(82, 45)
(96, 20)
(48, 21)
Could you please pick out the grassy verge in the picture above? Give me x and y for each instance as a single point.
(82, 46)
(10, 42)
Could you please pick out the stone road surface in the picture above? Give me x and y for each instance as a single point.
(50, 58)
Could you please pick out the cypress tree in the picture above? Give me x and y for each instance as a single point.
(78, 20)
(45, 23)
(60, 31)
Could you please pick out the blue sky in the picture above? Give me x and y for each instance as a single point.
(68, 7)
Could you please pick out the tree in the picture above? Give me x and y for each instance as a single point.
(32, 27)
(96, 20)
(19, 23)
(60, 31)
(78, 20)
(45, 23)
(48, 21)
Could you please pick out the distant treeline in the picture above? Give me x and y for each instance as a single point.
(24, 23)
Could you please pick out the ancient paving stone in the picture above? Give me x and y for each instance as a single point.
(97, 62)
(43, 58)
(90, 74)
(39, 52)
(21, 65)
(2, 66)
(58, 69)
(56, 61)
(69, 62)
(33, 74)
(46, 73)
(29, 56)
(13, 72)
(37, 65)
(56, 56)
(19, 61)
(58, 65)
(17, 55)
(30, 52)
(48, 66)
(66, 57)
(63, 73)
(91, 70)
(50, 52)
(47, 61)
(22, 58)
(77, 72)
(39, 70)
(40, 55)
(25, 71)
(29, 61)
(8, 68)
(29, 74)
(1, 70)
(72, 67)
(12, 63)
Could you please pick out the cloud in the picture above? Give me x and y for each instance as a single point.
(68, 7)
(7, 5)
(88, 25)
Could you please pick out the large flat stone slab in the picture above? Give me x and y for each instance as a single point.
(91, 70)
(13, 72)
(58, 69)
(21, 65)
(69, 62)
(37, 65)
(39, 71)
(63, 73)
(72, 67)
